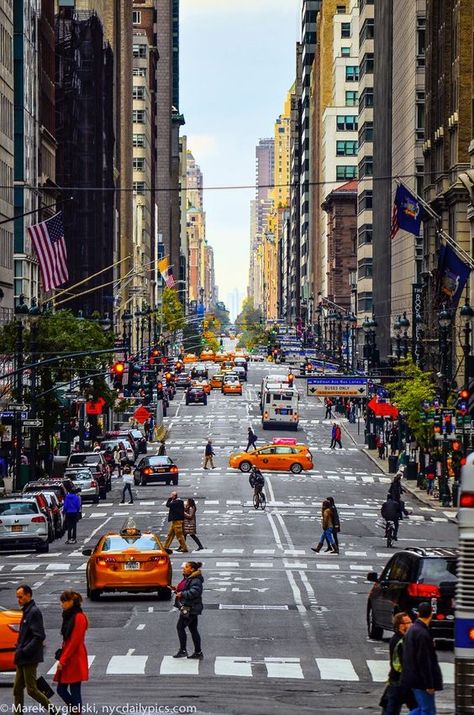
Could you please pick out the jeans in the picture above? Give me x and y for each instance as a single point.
(127, 488)
(71, 525)
(190, 622)
(327, 534)
(426, 703)
(71, 694)
(26, 678)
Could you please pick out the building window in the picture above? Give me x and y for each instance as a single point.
(420, 179)
(364, 302)
(364, 268)
(140, 51)
(346, 172)
(420, 115)
(138, 92)
(366, 98)
(352, 73)
(366, 133)
(138, 163)
(138, 140)
(352, 98)
(138, 116)
(346, 123)
(365, 200)
(341, 9)
(364, 234)
(367, 30)
(420, 41)
(366, 167)
(346, 148)
(345, 29)
(367, 64)
(136, 17)
(345, 51)
(139, 187)
(139, 71)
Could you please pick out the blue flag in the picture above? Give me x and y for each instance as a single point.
(407, 214)
(452, 273)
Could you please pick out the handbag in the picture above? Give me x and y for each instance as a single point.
(185, 611)
(44, 687)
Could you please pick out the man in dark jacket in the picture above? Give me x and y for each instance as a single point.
(395, 696)
(208, 455)
(421, 671)
(29, 650)
(391, 512)
(176, 522)
(251, 439)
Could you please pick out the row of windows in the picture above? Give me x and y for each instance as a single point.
(140, 51)
(139, 163)
(139, 187)
(138, 140)
(364, 302)
(346, 123)
(366, 167)
(364, 234)
(346, 172)
(6, 48)
(6, 116)
(352, 73)
(366, 98)
(6, 248)
(138, 92)
(367, 30)
(6, 182)
(366, 133)
(347, 148)
(139, 71)
(138, 116)
(352, 98)
(367, 64)
(364, 267)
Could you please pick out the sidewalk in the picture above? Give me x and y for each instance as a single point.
(358, 439)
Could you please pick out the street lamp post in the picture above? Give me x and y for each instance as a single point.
(319, 311)
(353, 322)
(444, 322)
(405, 324)
(367, 348)
(21, 310)
(467, 313)
(33, 315)
(127, 319)
(397, 329)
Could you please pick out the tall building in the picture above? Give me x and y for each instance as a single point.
(200, 259)
(264, 167)
(260, 208)
(6, 160)
(293, 243)
(364, 70)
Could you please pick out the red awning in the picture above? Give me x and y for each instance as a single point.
(382, 409)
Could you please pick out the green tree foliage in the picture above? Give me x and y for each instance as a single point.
(408, 393)
(172, 313)
(251, 326)
(222, 314)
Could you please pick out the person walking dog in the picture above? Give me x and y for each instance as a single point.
(73, 667)
(189, 602)
(190, 522)
(29, 651)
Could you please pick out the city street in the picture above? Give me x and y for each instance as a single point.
(284, 629)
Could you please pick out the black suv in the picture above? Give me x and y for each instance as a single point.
(410, 577)
(195, 395)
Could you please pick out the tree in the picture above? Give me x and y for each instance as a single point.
(222, 314)
(172, 312)
(408, 393)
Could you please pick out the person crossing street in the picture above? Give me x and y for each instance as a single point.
(127, 480)
(176, 522)
(251, 439)
(208, 455)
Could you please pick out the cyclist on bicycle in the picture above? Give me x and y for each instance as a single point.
(391, 512)
(256, 480)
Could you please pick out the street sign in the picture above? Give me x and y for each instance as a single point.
(337, 387)
(32, 423)
(15, 407)
(141, 414)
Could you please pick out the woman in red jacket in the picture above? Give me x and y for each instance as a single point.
(73, 667)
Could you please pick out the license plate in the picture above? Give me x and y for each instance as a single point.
(132, 566)
(17, 527)
(283, 412)
(161, 469)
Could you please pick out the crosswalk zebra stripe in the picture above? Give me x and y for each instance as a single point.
(336, 669)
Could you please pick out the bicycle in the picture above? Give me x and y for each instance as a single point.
(259, 500)
(389, 533)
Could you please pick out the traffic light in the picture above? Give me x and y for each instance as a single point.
(134, 377)
(118, 369)
(448, 424)
(437, 422)
(178, 367)
(159, 390)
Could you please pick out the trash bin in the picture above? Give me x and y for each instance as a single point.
(63, 449)
(411, 471)
(23, 477)
(371, 441)
(392, 463)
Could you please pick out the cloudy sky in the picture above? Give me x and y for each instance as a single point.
(237, 62)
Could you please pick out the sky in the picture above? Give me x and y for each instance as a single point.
(237, 63)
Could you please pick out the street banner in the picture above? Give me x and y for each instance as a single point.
(407, 213)
(417, 322)
(452, 274)
(337, 387)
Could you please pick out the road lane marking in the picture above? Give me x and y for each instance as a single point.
(127, 664)
(233, 666)
(336, 669)
(178, 666)
(378, 670)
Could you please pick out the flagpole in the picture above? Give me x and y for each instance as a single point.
(84, 280)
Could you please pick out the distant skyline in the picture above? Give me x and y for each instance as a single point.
(237, 62)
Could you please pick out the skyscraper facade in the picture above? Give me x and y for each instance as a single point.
(6, 160)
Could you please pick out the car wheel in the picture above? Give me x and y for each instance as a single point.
(143, 482)
(175, 481)
(245, 466)
(187, 402)
(96, 499)
(375, 632)
(164, 594)
(94, 594)
(204, 402)
(296, 468)
(43, 548)
(103, 494)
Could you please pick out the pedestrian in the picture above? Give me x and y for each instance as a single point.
(127, 480)
(251, 439)
(430, 474)
(110, 459)
(208, 455)
(396, 490)
(395, 696)
(73, 667)
(96, 447)
(337, 436)
(29, 651)
(333, 436)
(328, 403)
(421, 672)
(327, 525)
(122, 457)
(72, 513)
(190, 522)
(189, 602)
(336, 523)
(381, 444)
(176, 522)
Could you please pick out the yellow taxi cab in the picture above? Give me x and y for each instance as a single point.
(9, 629)
(204, 384)
(128, 560)
(283, 455)
(190, 357)
(231, 385)
(207, 355)
(220, 357)
(217, 380)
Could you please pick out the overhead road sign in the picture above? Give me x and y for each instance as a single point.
(337, 387)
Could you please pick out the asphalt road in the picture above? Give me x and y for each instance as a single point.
(283, 628)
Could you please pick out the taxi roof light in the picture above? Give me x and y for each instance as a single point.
(130, 528)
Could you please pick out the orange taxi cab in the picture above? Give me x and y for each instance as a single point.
(9, 629)
(217, 380)
(204, 384)
(231, 385)
(190, 357)
(283, 455)
(207, 355)
(129, 560)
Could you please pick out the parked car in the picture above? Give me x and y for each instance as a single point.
(121, 435)
(140, 440)
(196, 395)
(156, 469)
(410, 577)
(59, 486)
(84, 480)
(96, 461)
(22, 524)
(56, 511)
(43, 504)
(114, 443)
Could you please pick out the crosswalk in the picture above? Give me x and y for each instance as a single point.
(247, 666)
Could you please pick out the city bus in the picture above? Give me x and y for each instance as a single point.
(280, 406)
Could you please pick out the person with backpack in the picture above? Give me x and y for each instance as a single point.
(336, 436)
(394, 696)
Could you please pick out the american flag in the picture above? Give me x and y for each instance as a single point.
(169, 280)
(50, 247)
(394, 223)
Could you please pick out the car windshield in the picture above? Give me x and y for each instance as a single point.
(120, 543)
(17, 508)
(160, 460)
(436, 571)
(137, 434)
(84, 458)
(80, 476)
